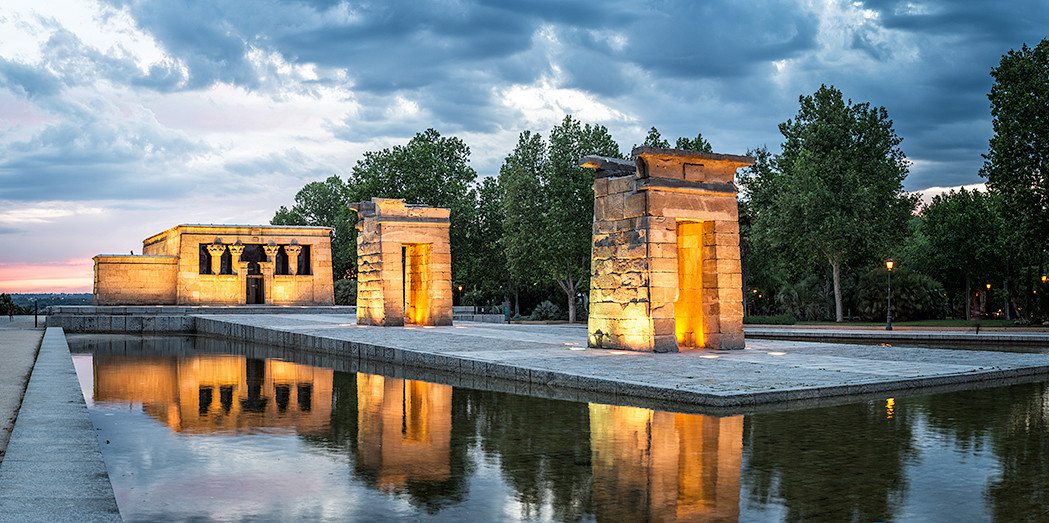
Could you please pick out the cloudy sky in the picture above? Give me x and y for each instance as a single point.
(122, 118)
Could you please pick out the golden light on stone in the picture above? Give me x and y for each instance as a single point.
(210, 394)
(403, 264)
(221, 265)
(664, 466)
(666, 272)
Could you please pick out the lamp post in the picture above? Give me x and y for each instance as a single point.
(888, 308)
(987, 301)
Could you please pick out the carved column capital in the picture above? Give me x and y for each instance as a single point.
(293, 251)
(216, 250)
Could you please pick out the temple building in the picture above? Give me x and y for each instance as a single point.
(404, 264)
(221, 265)
(666, 272)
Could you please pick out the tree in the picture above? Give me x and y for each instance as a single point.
(325, 204)
(835, 193)
(548, 202)
(964, 231)
(1017, 162)
(654, 139)
(431, 170)
(695, 144)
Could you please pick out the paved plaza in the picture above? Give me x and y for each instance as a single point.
(555, 356)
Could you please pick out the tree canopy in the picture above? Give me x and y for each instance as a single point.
(836, 190)
(1017, 162)
(548, 202)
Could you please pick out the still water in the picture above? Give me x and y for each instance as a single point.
(201, 429)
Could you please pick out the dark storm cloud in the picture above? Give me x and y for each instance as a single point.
(707, 39)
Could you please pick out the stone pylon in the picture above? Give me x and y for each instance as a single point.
(404, 264)
(666, 272)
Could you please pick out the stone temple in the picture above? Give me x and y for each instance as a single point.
(404, 264)
(666, 272)
(221, 265)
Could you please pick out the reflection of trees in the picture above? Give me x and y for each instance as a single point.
(841, 463)
(1015, 422)
(543, 448)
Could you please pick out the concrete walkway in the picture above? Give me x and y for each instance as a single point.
(555, 356)
(53, 469)
(19, 342)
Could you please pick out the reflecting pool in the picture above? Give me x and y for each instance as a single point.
(196, 428)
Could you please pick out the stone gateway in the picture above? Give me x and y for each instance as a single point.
(665, 267)
(404, 264)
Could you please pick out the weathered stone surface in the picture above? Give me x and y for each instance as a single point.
(403, 252)
(654, 287)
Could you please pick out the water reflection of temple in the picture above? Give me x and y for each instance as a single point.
(404, 430)
(663, 466)
(208, 393)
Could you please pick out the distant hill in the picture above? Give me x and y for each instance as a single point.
(46, 300)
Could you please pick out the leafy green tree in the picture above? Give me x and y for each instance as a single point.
(548, 202)
(1017, 162)
(835, 193)
(965, 233)
(430, 169)
(694, 144)
(325, 204)
(654, 139)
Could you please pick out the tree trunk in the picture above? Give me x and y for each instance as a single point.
(835, 266)
(569, 287)
(968, 300)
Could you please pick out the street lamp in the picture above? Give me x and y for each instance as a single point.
(987, 301)
(888, 308)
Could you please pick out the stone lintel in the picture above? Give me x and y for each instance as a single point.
(686, 186)
(645, 150)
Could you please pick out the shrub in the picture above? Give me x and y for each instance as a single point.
(545, 311)
(914, 296)
(345, 292)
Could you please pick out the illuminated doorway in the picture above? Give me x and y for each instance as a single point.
(688, 309)
(417, 282)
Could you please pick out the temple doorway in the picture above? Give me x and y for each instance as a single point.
(415, 259)
(688, 309)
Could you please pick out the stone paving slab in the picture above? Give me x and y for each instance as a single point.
(767, 371)
(53, 469)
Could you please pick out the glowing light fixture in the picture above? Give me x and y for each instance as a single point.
(777, 354)
(888, 308)
(710, 356)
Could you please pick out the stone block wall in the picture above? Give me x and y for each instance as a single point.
(404, 264)
(666, 271)
(134, 280)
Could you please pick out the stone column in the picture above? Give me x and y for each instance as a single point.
(216, 250)
(293, 251)
(267, 271)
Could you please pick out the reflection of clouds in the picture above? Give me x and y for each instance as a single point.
(155, 471)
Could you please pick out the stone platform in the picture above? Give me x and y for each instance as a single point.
(553, 361)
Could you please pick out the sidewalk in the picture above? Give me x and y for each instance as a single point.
(19, 342)
(53, 469)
